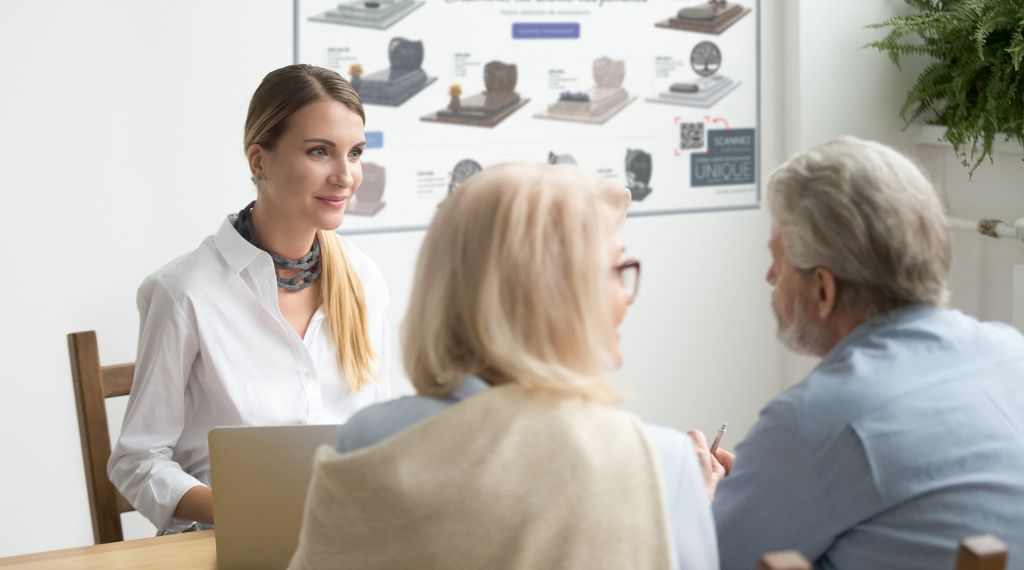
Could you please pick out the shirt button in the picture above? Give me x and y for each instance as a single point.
(307, 375)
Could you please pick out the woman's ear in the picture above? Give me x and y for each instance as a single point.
(255, 155)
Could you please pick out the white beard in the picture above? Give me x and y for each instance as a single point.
(801, 334)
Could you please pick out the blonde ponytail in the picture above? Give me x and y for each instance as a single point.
(341, 294)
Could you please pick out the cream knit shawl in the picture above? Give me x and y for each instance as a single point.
(502, 480)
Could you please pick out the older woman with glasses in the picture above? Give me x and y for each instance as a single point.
(511, 455)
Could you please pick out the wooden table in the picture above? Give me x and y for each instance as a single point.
(186, 551)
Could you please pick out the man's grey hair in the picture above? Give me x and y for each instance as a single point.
(867, 214)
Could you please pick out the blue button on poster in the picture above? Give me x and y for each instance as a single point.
(374, 139)
(545, 31)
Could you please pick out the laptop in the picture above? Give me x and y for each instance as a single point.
(259, 478)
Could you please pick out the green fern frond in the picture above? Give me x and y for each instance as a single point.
(975, 83)
(1016, 49)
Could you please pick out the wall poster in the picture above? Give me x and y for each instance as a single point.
(659, 94)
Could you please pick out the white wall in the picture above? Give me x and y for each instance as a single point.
(840, 87)
(120, 128)
(835, 88)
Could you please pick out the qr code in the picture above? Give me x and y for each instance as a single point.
(691, 136)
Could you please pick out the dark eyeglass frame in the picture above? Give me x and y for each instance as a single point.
(629, 265)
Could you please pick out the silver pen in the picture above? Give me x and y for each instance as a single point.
(718, 439)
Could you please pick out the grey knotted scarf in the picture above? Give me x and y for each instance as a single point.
(308, 265)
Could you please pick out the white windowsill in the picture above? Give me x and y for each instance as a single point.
(935, 135)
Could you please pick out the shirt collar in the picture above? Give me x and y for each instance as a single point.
(471, 387)
(234, 248)
(878, 322)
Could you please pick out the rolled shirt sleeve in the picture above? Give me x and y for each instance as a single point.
(141, 465)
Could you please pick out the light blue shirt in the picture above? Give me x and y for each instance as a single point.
(689, 513)
(907, 438)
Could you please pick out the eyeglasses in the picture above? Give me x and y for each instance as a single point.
(628, 273)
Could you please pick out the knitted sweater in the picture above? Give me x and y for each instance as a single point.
(503, 480)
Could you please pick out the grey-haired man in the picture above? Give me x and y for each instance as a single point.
(909, 435)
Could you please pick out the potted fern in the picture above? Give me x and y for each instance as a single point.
(974, 85)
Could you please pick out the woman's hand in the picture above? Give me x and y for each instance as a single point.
(712, 467)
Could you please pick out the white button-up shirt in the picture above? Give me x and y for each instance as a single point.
(214, 350)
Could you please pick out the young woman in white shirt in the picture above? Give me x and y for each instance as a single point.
(272, 320)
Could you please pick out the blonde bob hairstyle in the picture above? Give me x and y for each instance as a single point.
(281, 93)
(513, 283)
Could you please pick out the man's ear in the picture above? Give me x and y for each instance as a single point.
(254, 155)
(824, 289)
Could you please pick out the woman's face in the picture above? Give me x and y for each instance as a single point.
(314, 169)
(621, 297)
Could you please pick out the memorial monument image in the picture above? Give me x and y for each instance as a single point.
(464, 169)
(554, 158)
(377, 14)
(638, 173)
(709, 87)
(599, 103)
(369, 197)
(398, 83)
(712, 17)
(459, 85)
(486, 109)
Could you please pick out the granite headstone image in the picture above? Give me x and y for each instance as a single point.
(712, 17)
(376, 14)
(489, 108)
(398, 83)
(597, 104)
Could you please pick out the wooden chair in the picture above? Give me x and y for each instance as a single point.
(93, 385)
(982, 552)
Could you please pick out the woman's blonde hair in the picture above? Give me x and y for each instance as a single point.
(281, 93)
(513, 283)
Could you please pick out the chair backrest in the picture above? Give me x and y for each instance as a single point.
(982, 552)
(783, 560)
(93, 385)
